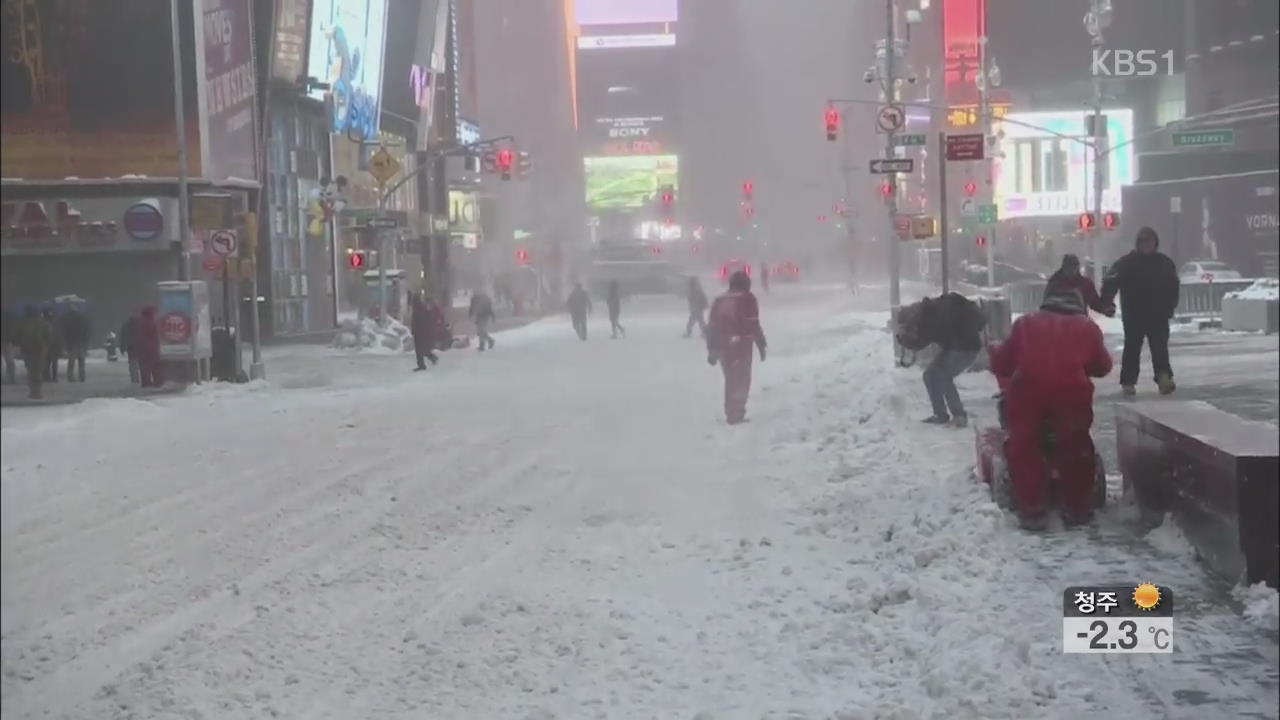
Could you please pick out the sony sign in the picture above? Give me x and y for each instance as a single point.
(629, 132)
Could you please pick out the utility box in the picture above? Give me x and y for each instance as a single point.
(183, 320)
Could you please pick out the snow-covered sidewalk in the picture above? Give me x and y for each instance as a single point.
(555, 530)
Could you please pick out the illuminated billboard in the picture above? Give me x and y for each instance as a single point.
(625, 12)
(1047, 170)
(617, 183)
(347, 38)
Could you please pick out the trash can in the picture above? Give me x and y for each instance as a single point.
(223, 363)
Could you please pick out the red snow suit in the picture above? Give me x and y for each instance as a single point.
(148, 349)
(1045, 365)
(733, 328)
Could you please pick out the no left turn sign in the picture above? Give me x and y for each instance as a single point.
(223, 243)
(890, 118)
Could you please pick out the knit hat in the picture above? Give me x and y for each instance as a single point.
(1064, 301)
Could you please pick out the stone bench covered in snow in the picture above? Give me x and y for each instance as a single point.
(1214, 473)
(1254, 309)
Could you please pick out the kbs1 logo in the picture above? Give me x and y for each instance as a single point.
(1131, 63)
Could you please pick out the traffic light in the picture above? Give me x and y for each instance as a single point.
(522, 256)
(1110, 220)
(970, 188)
(981, 241)
(668, 198)
(833, 123)
(656, 250)
(748, 190)
(357, 259)
(525, 165)
(886, 189)
(1087, 221)
(504, 160)
(822, 218)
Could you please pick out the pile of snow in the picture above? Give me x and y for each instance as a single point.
(1261, 289)
(1261, 605)
(366, 334)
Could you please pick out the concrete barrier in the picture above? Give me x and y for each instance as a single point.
(1213, 473)
(1205, 298)
(1251, 314)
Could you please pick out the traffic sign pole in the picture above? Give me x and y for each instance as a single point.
(945, 237)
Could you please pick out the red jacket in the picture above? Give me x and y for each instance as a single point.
(1079, 283)
(1052, 350)
(734, 314)
(148, 336)
(428, 323)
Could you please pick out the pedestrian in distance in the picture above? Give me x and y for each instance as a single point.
(76, 332)
(733, 331)
(9, 327)
(579, 305)
(1068, 278)
(427, 325)
(764, 276)
(56, 344)
(697, 299)
(613, 299)
(954, 323)
(34, 338)
(147, 334)
(482, 314)
(1147, 282)
(129, 346)
(1044, 368)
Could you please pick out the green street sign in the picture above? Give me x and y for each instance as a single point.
(1204, 138)
(908, 140)
(987, 215)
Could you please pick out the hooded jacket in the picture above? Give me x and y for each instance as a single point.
(1056, 349)
(1147, 284)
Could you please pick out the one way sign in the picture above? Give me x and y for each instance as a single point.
(889, 166)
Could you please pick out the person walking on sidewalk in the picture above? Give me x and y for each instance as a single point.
(697, 299)
(613, 299)
(579, 305)
(428, 326)
(732, 333)
(10, 331)
(1147, 281)
(76, 332)
(481, 313)
(34, 337)
(147, 338)
(129, 346)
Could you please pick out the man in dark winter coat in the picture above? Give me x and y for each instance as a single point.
(697, 299)
(75, 333)
(1044, 368)
(1147, 281)
(428, 327)
(953, 323)
(147, 338)
(613, 299)
(579, 305)
(1068, 278)
(732, 333)
(33, 338)
(481, 313)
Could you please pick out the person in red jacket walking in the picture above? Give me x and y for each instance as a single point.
(150, 370)
(429, 329)
(1044, 367)
(732, 332)
(1068, 277)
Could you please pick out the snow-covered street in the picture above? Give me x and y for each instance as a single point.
(569, 530)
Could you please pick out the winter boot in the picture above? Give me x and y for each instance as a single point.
(960, 421)
(1166, 384)
(1071, 520)
(1129, 391)
(936, 420)
(1033, 523)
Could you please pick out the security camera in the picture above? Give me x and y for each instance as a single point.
(868, 77)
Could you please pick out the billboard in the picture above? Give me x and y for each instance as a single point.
(1047, 170)
(290, 46)
(346, 53)
(83, 96)
(616, 183)
(625, 12)
(626, 102)
(229, 92)
(964, 22)
(613, 42)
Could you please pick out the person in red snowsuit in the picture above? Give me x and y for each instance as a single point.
(733, 330)
(1069, 277)
(1044, 367)
(147, 334)
(429, 329)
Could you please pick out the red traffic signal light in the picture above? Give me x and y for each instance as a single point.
(970, 188)
(357, 260)
(656, 250)
(522, 256)
(505, 159)
(822, 218)
(1111, 220)
(668, 197)
(981, 241)
(833, 123)
(1087, 221)
(886, 189)
(748, 189)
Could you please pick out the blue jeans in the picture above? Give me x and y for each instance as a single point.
(940, 381)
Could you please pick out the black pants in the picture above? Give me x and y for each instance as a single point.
(423, 350)
(695, 320)
(580, 326)
(1156, 334)
(615, 326)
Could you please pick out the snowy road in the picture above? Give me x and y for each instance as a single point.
(564, 530)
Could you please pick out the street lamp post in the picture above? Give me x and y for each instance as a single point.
(1095, 21)
(988, 76)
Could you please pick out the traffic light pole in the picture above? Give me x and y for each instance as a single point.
(891, 96)
(944, 232)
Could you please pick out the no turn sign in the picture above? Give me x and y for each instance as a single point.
(223, 243)
(890, 118)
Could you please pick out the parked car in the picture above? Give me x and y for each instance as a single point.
(1201, 270)
(785, 272)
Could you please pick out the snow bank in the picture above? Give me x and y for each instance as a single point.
(1261, 605)
(1261, 289)
(367, 335)
(1169, 538)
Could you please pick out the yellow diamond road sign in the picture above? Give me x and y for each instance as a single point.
(383, 166)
